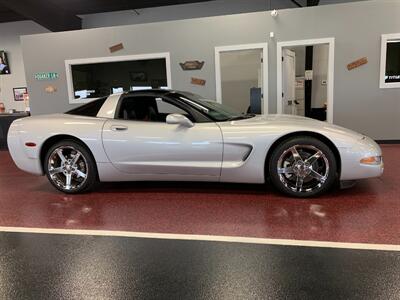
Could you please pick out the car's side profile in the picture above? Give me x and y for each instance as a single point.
(177, 136)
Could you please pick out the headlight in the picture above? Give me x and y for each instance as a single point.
(372, 160)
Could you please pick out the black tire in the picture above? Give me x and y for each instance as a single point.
(85, 165)
(308, 175)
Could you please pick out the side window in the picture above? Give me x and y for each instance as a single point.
(148, 108)
(168, 108)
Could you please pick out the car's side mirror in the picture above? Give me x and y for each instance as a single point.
(179, 120)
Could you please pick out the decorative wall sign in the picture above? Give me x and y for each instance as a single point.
(198, 81)
(116, 47)
(46, 76)
(50, 89)
(192, 65)
(19, 93)
(357, 63)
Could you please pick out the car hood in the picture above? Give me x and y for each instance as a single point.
(289, 123)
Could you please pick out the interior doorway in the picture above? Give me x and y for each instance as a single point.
(305, 72)
(242, 77)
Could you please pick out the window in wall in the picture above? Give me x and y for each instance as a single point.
(98, 77)
(390, 61)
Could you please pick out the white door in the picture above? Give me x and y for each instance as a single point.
(153, 147)
(289, 82)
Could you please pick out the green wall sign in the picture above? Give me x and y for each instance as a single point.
(46, 76)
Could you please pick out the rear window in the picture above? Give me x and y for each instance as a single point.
(90, 109)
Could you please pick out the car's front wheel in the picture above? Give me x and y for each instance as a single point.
(70, 167)
(302, 167)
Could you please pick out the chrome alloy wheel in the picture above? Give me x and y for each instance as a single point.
(67, 168)
(303, 168)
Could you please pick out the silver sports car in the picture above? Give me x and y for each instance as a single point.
(178, 136)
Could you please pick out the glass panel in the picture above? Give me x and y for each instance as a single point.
(392, 62)
(101, 79)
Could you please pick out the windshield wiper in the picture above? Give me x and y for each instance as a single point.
(242, 117)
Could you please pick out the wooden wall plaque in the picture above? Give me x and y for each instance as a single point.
(116, 47)
(357, 63)
(192, 65)
(50, 89)
(198, 81)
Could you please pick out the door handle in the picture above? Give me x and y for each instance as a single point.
(119, 128)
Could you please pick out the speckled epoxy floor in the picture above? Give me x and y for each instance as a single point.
(59, 266)
(367, 213)
(50, 266)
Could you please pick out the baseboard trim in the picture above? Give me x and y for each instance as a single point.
(384, 142)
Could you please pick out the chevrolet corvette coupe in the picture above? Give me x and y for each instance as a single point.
(178, 136)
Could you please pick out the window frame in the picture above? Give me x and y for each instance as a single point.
(384, 42)
(93, 60)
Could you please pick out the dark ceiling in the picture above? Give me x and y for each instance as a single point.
(61, 15)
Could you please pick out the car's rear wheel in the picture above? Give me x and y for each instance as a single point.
(303, 167)
(70, 167)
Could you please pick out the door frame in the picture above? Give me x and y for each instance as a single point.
(331, 70)
(221, 49)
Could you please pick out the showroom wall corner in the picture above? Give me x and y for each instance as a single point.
(10, 42)
(195, 39)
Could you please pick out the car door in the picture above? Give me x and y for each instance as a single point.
(151, 146)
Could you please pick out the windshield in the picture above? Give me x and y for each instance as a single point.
(213, 109)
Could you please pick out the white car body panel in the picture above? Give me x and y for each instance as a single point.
(160, 148)
(261, 132)
(232, 151)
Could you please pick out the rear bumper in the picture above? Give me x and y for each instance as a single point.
(19, 154)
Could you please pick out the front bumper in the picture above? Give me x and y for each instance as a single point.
(352, 168)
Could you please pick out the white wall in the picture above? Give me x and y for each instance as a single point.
(10, 42)
(300, 59)
(239, 73)
(320, 73)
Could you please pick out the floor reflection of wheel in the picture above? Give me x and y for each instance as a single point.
(70, 167)
(303, 167)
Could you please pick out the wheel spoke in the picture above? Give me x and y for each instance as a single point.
(61, 155)
(76, 157)
(317, 176)
(56, 170)
(68, 179)
(80, 174)
(295, 154)
(287, 170)
(314, 158)
(299, 183)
